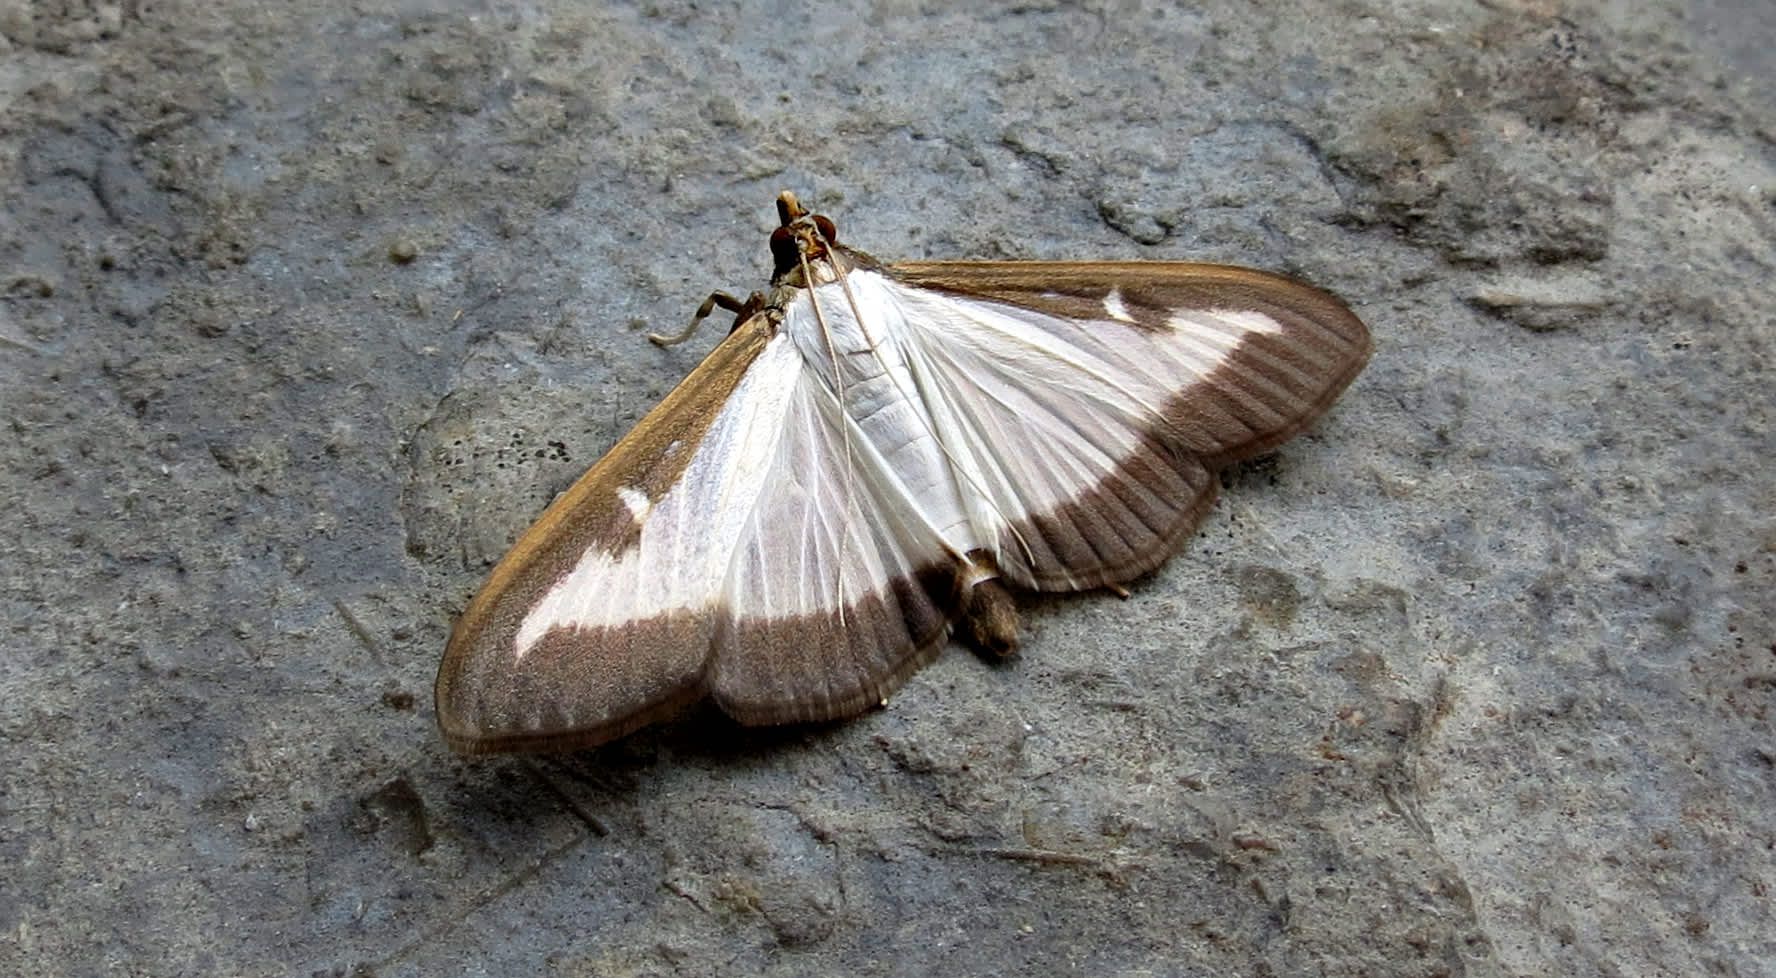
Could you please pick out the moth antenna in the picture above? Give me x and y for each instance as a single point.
(838, 377)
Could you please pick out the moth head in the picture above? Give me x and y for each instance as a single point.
(800, 237)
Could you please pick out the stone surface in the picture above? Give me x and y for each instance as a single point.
(306, 310)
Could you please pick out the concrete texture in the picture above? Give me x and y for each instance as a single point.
(308, 309)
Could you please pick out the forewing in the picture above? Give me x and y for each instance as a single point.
(602, 617)
(1089, 406)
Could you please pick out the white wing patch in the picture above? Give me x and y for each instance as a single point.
(690, 533)
(1115, 308)
(636, 502)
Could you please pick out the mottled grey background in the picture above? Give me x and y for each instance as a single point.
(309, 308)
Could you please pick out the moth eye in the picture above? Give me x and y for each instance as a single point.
(827, 230)
(785, 253)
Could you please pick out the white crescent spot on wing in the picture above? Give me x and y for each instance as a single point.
(636, 502)
(1115, 308)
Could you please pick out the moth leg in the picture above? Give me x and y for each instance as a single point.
(743, 309)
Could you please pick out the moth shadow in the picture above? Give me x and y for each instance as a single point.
(700, 735)
(513, 797)
(702, 732)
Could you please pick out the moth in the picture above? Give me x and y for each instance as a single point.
(873, 458)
